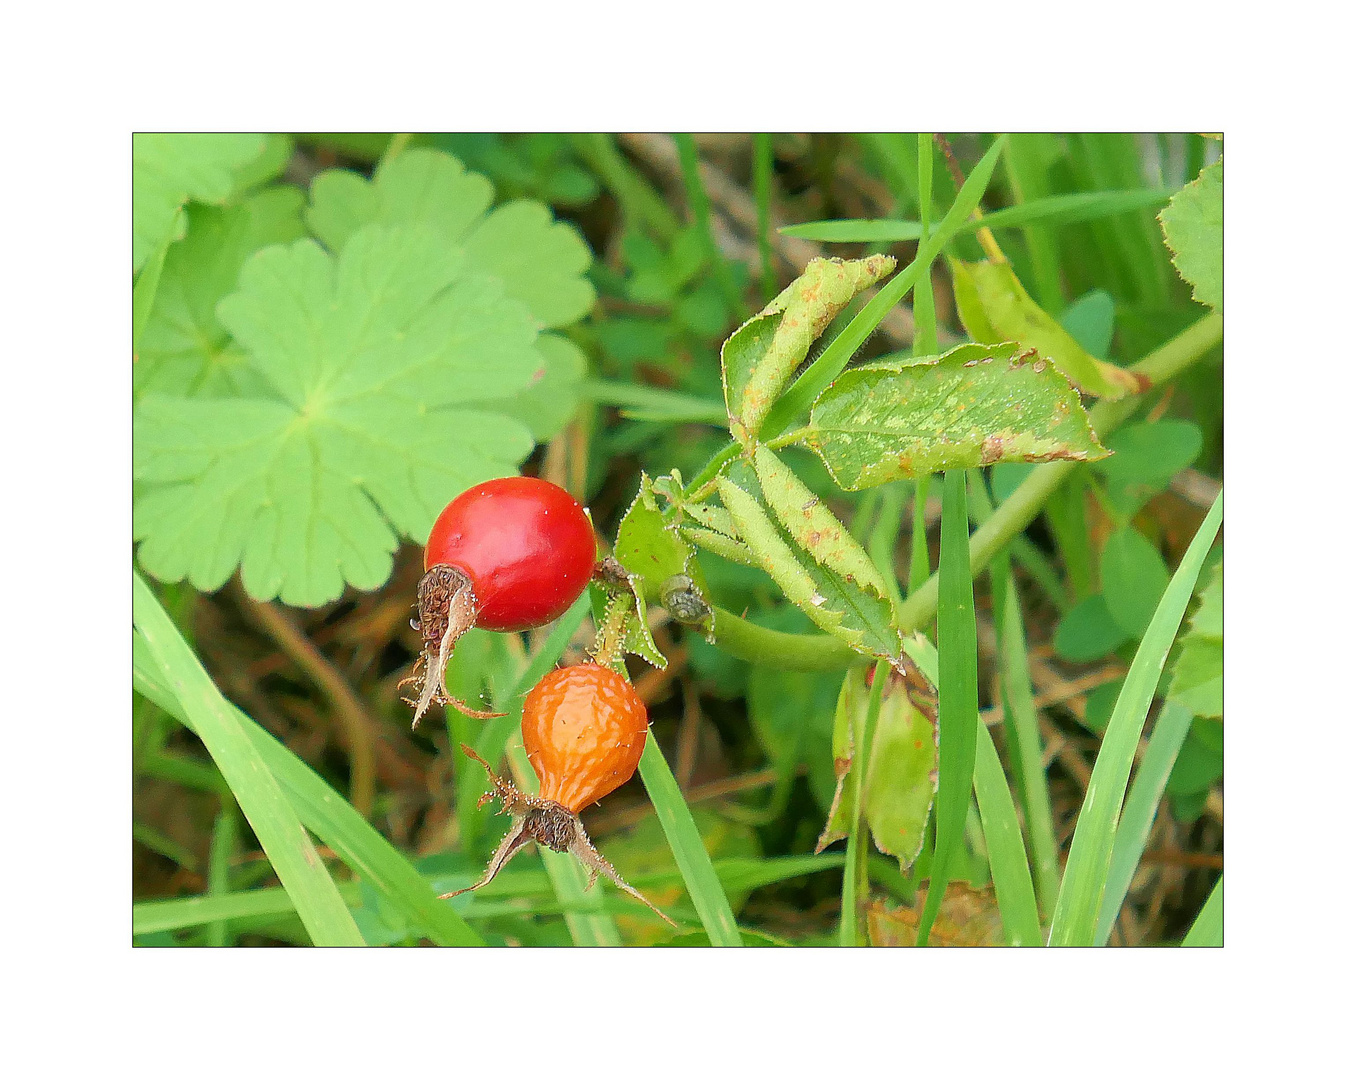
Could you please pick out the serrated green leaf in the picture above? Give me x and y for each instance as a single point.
(813, 526)
(720, 544)
(185, 350)
(629, 610)
(648, 546)
(974, 405)
(170, 169)
(902, 773)
(540, 261)
(370, 360)
(807, 306)
(994, 306)
(713, 517)
(1193, 226)
(839, 607)
(742, 352)
(550, 399)
(1134, 576)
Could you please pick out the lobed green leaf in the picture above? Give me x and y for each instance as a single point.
(369, 360)
(170, 169)
(541, 262)
(185, 350)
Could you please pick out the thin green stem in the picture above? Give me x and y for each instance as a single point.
(219, 856)
(640, 203)
(924, 306)
(762, 193)
(920, 564)
(700, 205)
(774, 648)
(854, 878)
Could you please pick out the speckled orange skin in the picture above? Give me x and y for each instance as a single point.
(584, 729)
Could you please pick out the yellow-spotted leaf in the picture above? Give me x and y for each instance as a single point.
(974, 405)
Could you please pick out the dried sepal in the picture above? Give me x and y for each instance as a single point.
(447, 609)
(549, 824)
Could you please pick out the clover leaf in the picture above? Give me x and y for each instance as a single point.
(170, 169)
(541, 262)
(369, 366)
(1193, 226)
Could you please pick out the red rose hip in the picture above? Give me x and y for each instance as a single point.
(507, 555)
(525, 544)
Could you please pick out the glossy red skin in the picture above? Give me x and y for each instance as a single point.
(526, 545)
(584, 730)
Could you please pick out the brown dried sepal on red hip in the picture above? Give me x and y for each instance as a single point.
(549, 824)
(447, 609)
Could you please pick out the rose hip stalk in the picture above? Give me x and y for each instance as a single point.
(584, 729)
(509, 554)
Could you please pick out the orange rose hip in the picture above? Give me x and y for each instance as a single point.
(584, 730)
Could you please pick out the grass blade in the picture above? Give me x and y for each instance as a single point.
(270, 814)
(924, 306)
(700, 206)
(1021, 705)
(651, 403)
(957, 689)
(220, 854)
(1085, 877)
(1003, 837)
(830, 363)
(703, 886)
(640, 203)
(1141, 805)
(762, 193)
(159, 916)
(1051, 210)
(326, 813)
(1208, 929)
